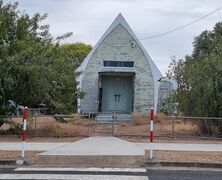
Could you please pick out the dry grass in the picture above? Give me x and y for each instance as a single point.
(140, 120)
(178, 156)
(47, 126)
(162, 127)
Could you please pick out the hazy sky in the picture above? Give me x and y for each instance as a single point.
(89, 19)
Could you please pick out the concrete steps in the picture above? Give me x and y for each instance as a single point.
(124, 117)
(104, 118)
(108, 118)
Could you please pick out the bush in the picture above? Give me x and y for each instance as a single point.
(210, 127)
(57, 131)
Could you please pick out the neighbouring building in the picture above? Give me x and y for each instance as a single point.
(167, 87)
(118, 75)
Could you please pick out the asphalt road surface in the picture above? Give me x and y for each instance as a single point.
(107, 173)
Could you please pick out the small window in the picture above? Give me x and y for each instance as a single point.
(118, 63)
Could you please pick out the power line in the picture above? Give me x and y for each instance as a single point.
(181, 27)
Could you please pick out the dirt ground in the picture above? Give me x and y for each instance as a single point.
(201, 157)
(30, 156)
(204, 157)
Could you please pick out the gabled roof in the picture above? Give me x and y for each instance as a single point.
(155, 71)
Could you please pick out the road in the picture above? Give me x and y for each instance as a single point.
(107, 173)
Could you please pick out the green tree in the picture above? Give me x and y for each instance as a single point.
(199, 77)
(75, 52)
(34, 67)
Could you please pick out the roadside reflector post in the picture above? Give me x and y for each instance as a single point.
(24, 131)
(25, 112)
(151, 132)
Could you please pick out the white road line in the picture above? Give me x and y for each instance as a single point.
(83, 169)
(71, 176)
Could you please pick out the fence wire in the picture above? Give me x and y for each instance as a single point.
(139, 127)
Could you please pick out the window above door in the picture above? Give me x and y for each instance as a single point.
(118, 63)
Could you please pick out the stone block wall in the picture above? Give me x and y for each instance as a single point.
(119, 45)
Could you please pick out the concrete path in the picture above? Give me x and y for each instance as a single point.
(183, 147)
(104, 143)
(31, 146)
(98, 146)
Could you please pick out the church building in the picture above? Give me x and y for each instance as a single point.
(118, 75)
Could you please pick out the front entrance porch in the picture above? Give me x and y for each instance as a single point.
(116, 92)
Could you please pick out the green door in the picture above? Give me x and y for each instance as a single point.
(117, 94)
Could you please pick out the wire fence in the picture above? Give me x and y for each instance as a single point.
(76, 125)
(173, 127)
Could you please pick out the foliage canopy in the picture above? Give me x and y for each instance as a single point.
(34, 67)
(199, 78)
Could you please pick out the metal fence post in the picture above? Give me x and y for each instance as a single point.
(35, 122)
(89, 125)
(113, 124)
(173, 123)
(116, 125)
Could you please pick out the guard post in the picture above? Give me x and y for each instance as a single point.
(151, 132)
(24, 131)
(25, 112)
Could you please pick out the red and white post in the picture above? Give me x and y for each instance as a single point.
(25, 111)
(151, 132)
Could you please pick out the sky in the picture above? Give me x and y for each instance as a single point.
(89, 19)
